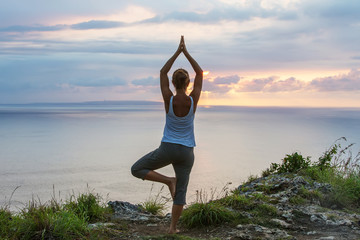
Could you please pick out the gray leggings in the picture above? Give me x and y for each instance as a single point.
(182, 159)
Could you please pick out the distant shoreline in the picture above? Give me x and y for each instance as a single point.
(156, 103)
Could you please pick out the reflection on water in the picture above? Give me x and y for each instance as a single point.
(71, 146)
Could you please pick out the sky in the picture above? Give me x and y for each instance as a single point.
(302, 53)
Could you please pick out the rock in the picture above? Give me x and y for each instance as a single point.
(299, 180)
(284, 200)
(288, 215)
(97, 225)
(128, 211)
(280, 223)
(152, 225)
(327, 238)
(124, 207)
(345, 222)
(323, 187)
(239, 226)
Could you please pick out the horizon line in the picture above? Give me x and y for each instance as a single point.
(149, 102)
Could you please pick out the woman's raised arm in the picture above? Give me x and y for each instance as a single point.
(195, 94)
(164, 79)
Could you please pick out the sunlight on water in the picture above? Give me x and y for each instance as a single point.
(69, 147)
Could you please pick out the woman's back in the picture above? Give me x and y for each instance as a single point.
(181, 105)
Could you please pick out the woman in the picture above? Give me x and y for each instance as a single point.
(178, 141)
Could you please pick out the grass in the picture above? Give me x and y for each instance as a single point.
(155, 204)
(69, 219)
(237, 202)
(88, 206)
(173, 237)
(206, 214)
(338, 166)
(54, 219)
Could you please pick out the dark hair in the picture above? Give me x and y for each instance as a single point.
(180, 79)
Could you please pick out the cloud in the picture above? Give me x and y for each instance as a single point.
(227, 79)
(256, 85)
(149, 81)
(98, 82)
(288, 85)
(33, 28)
(332, 9)
(92, 24)
(344, 82)
(213, 87)
(97, 24)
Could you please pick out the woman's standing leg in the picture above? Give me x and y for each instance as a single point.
(182, 170)
(175, 215)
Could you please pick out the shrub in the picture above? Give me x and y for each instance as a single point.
(6, 220)
(155, 205)
(291, 164)
(310, 194)
(337, 166)
(238, 202)
(266, 210)
(205, 214)
(297, 200)
(88, 206)
(39, 221)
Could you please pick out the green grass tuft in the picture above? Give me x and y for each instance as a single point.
(155, 204)
(206, 214)
(237, 202)
(87, 206)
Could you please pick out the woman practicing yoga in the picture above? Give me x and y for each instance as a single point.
(178, 140)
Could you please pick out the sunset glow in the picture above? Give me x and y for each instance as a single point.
(256, 53)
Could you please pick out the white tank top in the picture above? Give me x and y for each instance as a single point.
(180, 130)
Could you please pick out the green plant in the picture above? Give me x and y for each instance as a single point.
(291, 164)
(251, 178)
(170, 237)
(324, 161)
(88, 206)
(205, 214)
(297, 200)
(310, 194)
(203, 196)
(266, 210)
(6, 220)
(260, 197)
(155, 205)
(238, 202)
(41, 221)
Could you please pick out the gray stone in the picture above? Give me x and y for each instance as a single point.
(152, 225)
(311, 233)
(98, 225)
(143, 218)
(281, 223)
(239, 226)
(288, 215)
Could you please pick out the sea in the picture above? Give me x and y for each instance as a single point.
(55, 151)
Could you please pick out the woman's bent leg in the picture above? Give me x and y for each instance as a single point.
(157, 177)
(145, 168)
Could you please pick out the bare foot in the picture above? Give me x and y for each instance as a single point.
(172, 187)
(173, 231)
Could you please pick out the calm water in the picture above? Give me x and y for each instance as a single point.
(71, 146)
